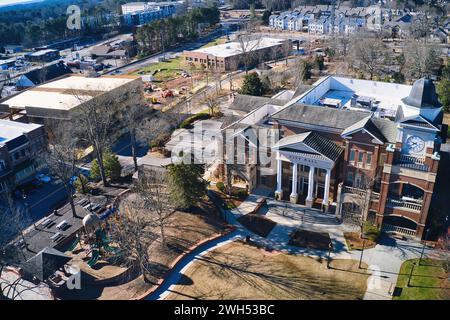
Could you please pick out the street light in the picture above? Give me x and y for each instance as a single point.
(423, 248)
(362, 252)
(330, 247)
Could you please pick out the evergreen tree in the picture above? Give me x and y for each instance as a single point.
(186, 184)
(252, 85)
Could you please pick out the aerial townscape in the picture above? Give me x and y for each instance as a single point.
(225, 150)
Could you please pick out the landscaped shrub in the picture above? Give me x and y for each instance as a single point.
(371, 231)
(240, 194)
(221, 186)
(186, 124)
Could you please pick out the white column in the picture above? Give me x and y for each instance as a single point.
(326, 191)
(294, 179)
(310, 184)
(279, 174)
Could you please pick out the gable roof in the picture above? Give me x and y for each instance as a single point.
(314, 141)
(367, 125)
(247, 103)
(44, 74)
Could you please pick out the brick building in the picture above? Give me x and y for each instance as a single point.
(230, 56)
(353, 147)
(19, 143)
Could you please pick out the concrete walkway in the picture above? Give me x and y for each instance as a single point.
(384, 261)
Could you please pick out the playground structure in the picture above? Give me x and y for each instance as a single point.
(94, 241)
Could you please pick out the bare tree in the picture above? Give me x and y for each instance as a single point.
(422, 59)
(153, 198)
(13, 222)
(61, 156)
(94, 122)
(132, 230)
(211, 101)
(133, 116)
(367, 54)
(421, 27)
(248, 49)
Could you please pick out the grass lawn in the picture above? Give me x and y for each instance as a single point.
(170, 69)
(429, 281)
(309, 239)
(240, 271)
(258, 224)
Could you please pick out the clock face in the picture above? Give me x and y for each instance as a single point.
(415, 144)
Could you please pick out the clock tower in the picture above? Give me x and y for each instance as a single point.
(419, 120)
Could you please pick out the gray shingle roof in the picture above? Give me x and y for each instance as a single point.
(247, 103)
(323, 145)
(315, 141)
(345, 120)
(320, 116)
(370, 125)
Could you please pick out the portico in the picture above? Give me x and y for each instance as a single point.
(315, 155)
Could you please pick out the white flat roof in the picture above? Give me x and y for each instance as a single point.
(10, 130)
(387, 97)
(59, 94)
(234, 48)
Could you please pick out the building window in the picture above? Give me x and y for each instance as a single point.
(2, 165)
(360, 158)
(352, 156)
(369, 160)
(350, 176)
(16, 156)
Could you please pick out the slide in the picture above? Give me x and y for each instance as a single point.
(74, 244)
(94, 258)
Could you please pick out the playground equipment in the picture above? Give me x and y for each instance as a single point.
(75, 243)
(94, 258)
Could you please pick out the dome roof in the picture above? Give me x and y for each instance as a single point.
(91, 221)
(423, 95)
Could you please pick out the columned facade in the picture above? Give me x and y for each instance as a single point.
(312, 157)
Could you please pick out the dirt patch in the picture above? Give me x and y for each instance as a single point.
(310, 239)
(260, 225)
(355, 242)
(238, 271)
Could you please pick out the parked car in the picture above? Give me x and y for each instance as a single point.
(44, 178)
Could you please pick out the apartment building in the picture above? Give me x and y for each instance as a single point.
(348, 146)
(230, 56)
(19, 144)
(138, 13)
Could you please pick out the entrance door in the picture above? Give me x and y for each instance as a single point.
(304, 186)
(320, 190)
